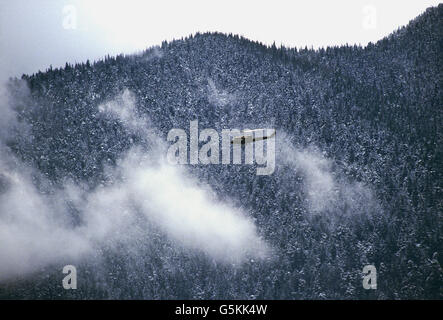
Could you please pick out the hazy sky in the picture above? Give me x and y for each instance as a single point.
(37, 33)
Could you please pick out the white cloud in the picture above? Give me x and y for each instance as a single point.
(328, 191)
(35, 229)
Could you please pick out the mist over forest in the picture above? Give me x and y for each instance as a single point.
(84, 178)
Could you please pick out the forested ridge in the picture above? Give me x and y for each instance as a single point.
(373, 113)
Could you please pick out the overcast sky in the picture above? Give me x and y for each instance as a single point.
(37, 33)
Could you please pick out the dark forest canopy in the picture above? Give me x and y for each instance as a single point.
(374, 112)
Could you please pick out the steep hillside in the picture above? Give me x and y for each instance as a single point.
(358, 169)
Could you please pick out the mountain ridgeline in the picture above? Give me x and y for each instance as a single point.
(368, 119)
